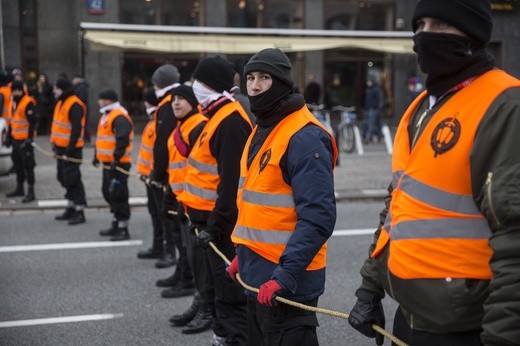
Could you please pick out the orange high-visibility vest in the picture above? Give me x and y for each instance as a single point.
(19, 123)
(7, 110)
(145, 158)
(106, 137)
(434, 228)
(266, 210)
(200, 188)
(177, 162)
(61, 128)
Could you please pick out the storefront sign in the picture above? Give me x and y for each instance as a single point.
(505, 5)
(96, 6)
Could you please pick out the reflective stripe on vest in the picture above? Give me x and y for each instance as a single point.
(266, 208)
(434, 228)
(177, 161)
(19, 122)
(145, 158)
(106, 138)
(202, 172)
(61, 128)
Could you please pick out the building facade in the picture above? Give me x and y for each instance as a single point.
(43, 36)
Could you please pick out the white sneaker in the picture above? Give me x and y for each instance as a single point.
(218, 340)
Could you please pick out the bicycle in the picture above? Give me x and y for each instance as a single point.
(346, 138)
(322, 115)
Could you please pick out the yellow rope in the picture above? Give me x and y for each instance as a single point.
(74, 160)
(377, 328)
(224, 258)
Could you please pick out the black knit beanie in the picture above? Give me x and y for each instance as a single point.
(150, 97)
(108, 94)
(63, 84)
(272, 61)
(472, 17)
(216, 72)
(186, 92)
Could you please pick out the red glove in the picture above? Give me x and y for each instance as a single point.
(232, 270)
(267, 292)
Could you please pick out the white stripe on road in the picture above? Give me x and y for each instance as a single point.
(347, 232)
(65, 246)
(55, 320)
(52, 203)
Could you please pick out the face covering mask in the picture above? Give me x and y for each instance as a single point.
(447, 59)
(204, 95)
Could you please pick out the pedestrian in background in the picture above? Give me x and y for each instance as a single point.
(67, 130)
(21, 131)
(114, 139)
(286, 206)
(447, 244)
(373, 104)
(81, 89)
(44, 105)
(212, 177)
(144, 168)
(164, 79)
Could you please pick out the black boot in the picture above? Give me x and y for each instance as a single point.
(17, 192)
(182, 289)
(170, 281)
(30, 195)
(66, 215)
(109, 231)
(121, 234)
(151, 253)
(77, 217)
(188, 315)
(201, 322)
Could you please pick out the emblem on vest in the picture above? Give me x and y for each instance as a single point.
(202, 137)
(445, 136)
(266, 156)
(150, 133)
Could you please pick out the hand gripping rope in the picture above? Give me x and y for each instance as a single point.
(228, 262)
(377, 328)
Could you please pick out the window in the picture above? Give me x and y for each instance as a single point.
(162, 12)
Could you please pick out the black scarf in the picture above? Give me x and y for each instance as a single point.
(449, 59)
(266, 106)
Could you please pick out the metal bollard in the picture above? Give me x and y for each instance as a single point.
(359, 142)
(387, 136)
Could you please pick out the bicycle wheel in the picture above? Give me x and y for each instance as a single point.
(347, 141)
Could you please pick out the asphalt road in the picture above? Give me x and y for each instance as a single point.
(99, 295)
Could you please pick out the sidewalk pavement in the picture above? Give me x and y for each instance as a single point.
(357, 177)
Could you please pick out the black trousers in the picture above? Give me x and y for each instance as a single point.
(23, 161)
(117, 196)
(197, 264)
(281, 325)
(69, 176)
(171, 235)
(420, 338)
(229, 302)
(153, 210)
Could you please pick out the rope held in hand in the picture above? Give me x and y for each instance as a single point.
(377, 328)
(228, 262)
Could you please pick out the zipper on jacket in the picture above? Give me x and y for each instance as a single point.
(418, 126)
(489, 183)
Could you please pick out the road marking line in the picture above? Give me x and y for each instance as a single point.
(52, 203)
(55, 320)
(65, 246)
(374, 192)
(347, 232)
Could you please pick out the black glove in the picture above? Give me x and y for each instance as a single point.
(95, 162)
(27, 143)
(69, 152)
(115, 173)
(368, 310)
(205, 237)
(170, 204)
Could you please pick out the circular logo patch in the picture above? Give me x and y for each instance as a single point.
(445, 136)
